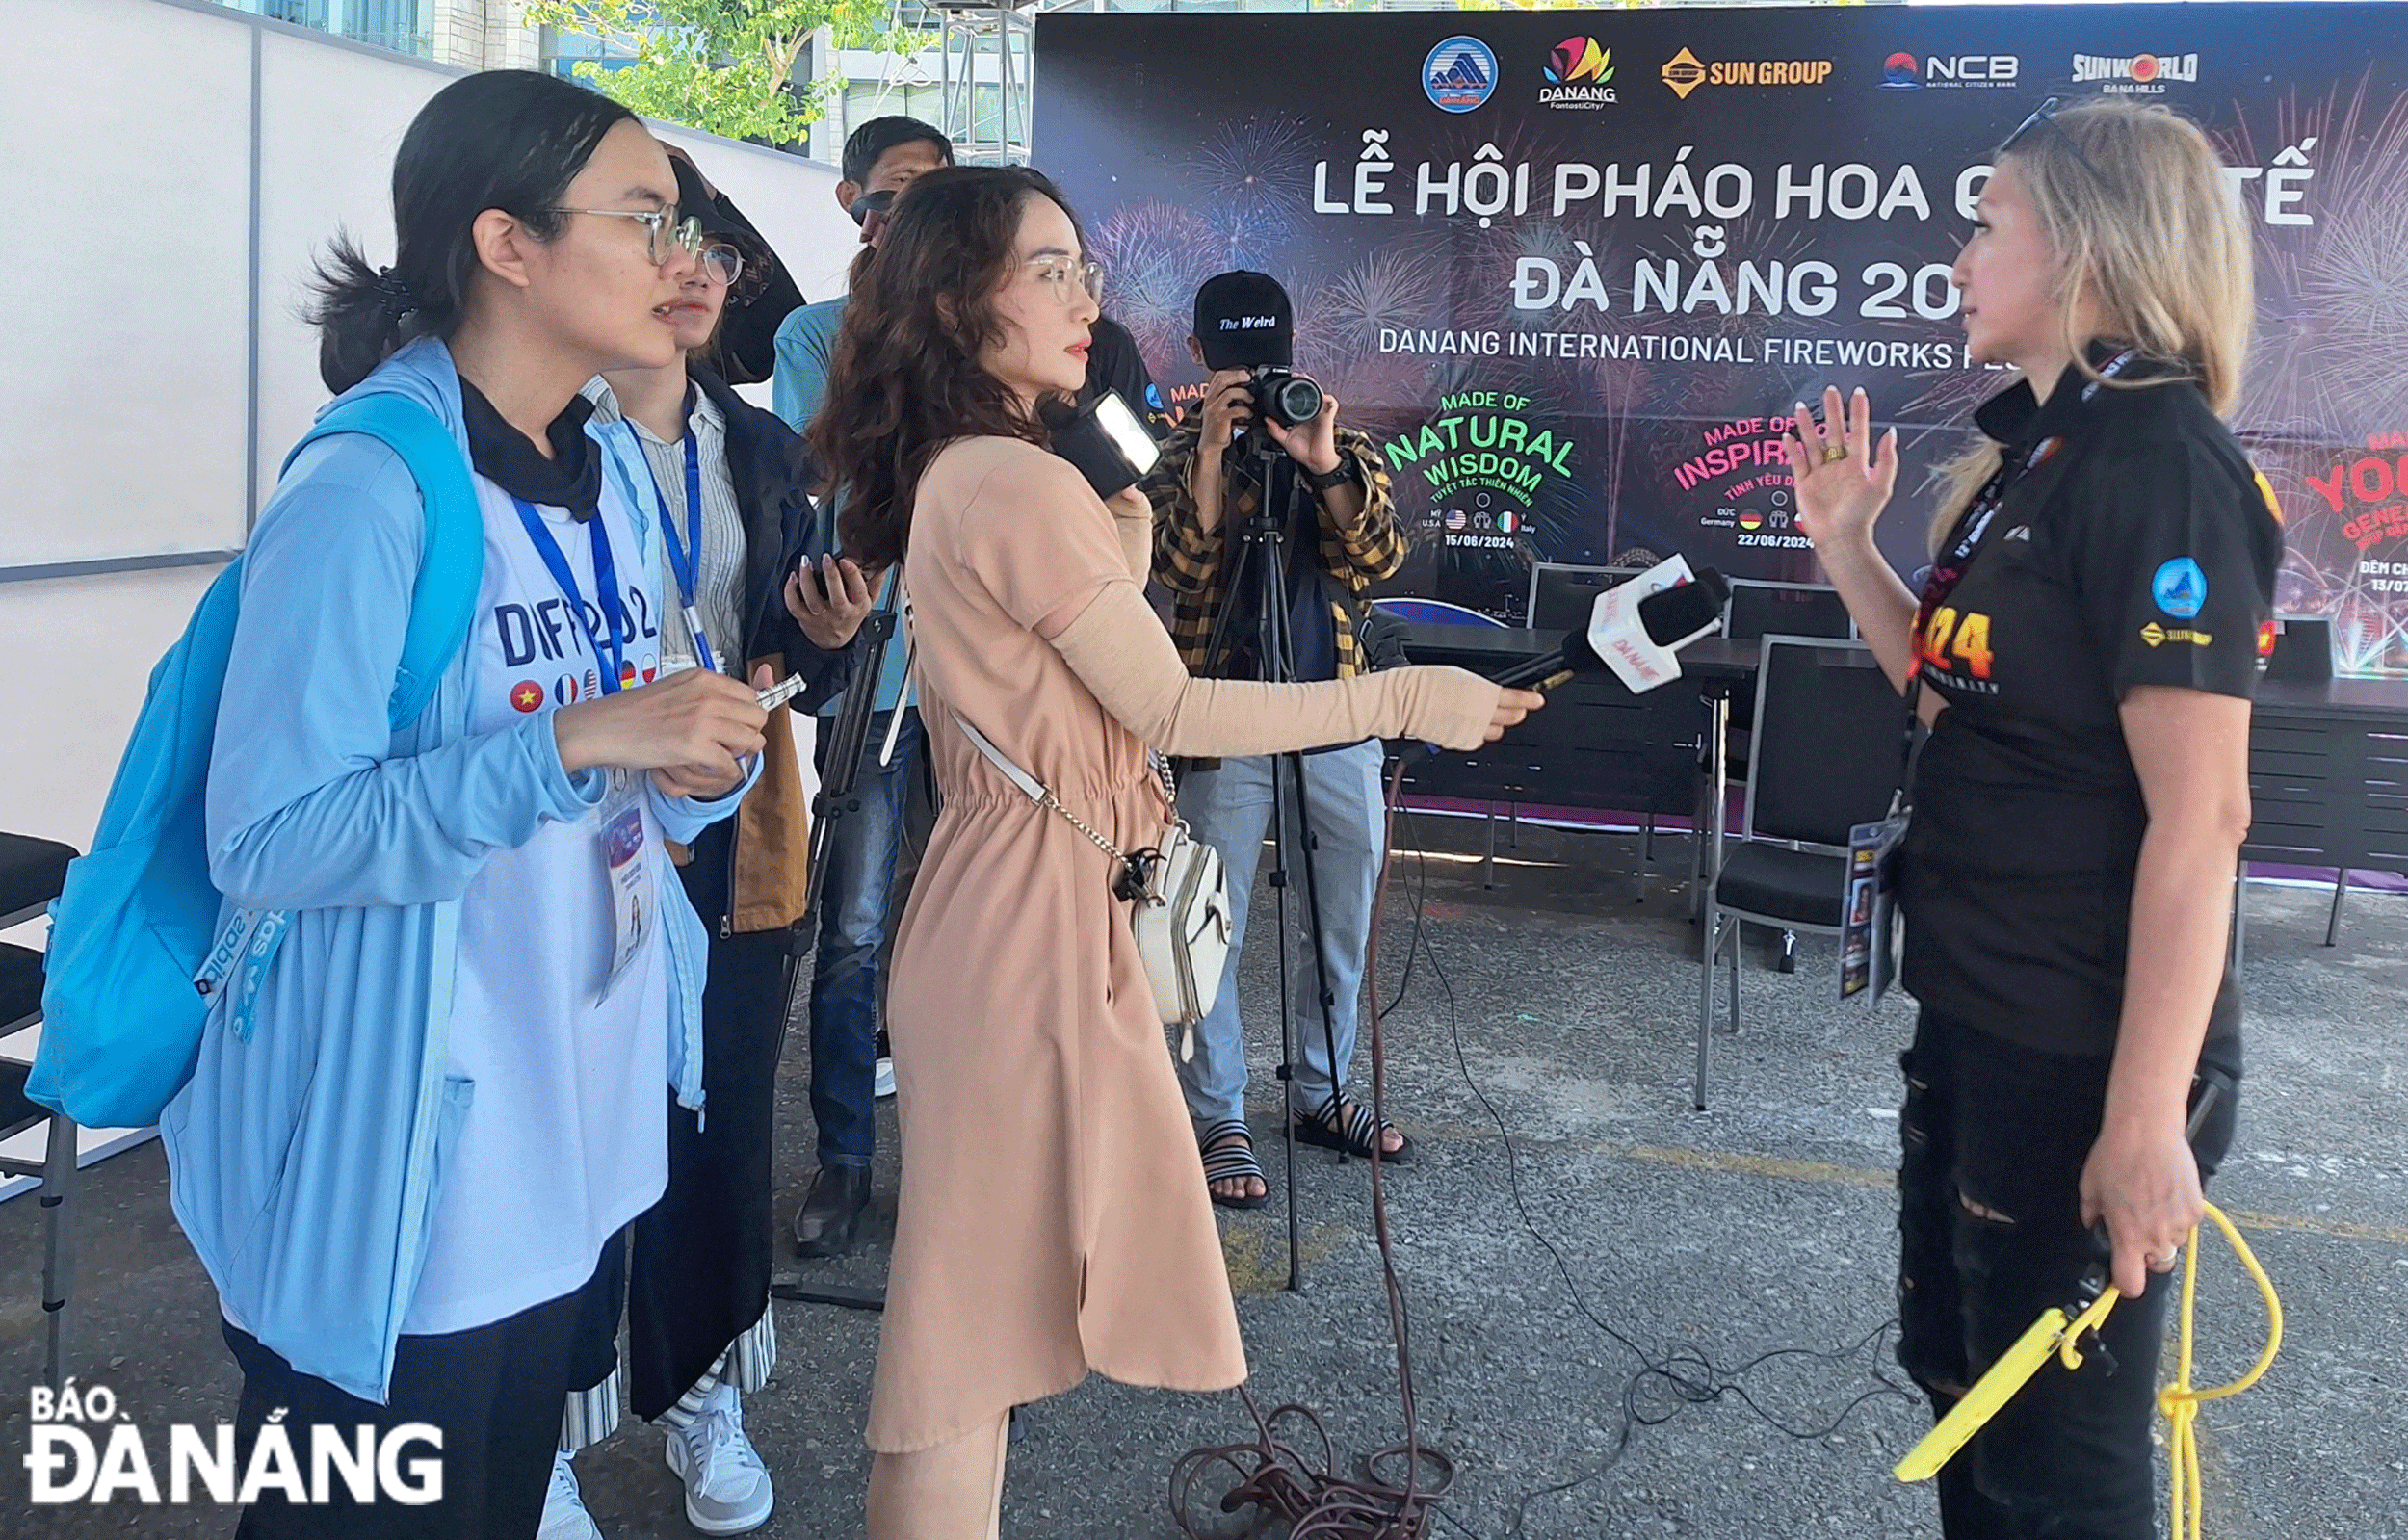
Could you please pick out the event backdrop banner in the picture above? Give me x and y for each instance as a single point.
(1570, 268)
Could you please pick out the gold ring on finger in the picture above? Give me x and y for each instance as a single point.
(1833, 453)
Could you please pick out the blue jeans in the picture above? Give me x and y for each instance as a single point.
(1229, 808)
(844, 969)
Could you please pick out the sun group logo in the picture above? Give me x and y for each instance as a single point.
(1903, 71)
(81, 1453)
(2140, 75)
(1460, 74)
(1577, 73)
(1683, 72)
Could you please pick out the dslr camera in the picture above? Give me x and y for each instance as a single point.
(1245, 320)
(1285, 397)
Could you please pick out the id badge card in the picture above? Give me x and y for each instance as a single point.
(1869, 920)
(627, 870)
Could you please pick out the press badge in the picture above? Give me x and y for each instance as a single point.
(629, 877)
(1869, 931)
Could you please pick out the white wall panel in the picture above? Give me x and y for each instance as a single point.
(122, 338)
(80, 651)
(125, 383)
(330, 121)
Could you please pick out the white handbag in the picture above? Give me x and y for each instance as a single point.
(1181, 920)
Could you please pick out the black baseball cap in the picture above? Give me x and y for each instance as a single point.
(1243, 320)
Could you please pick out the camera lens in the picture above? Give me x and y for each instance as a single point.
(1292, 399)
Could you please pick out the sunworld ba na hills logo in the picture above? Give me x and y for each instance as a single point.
(1578, 74)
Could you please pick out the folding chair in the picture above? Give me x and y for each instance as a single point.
(1825, 743)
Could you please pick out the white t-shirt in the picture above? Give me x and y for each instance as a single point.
(566, 1139)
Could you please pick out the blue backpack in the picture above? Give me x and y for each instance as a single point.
(123, 1002)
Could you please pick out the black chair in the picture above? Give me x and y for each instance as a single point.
(32, 872)
(1760, 609)
(1562, 595)
(1827, 731)
(1757, 609)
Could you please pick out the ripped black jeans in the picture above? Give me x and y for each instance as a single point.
(1990, 1234)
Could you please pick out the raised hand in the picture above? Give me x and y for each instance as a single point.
(1842, 478)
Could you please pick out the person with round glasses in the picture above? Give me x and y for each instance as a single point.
(1053, 1219)
(407, 1155)
(738, 590)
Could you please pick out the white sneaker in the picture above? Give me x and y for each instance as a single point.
(727, 1487)
(564, 1515)
(884, 1081)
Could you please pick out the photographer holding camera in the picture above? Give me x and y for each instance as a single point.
(1341, 537)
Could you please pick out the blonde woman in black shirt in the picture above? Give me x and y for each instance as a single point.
(2085, 651)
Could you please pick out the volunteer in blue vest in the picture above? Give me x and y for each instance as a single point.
(734, 486)
(402, 1160)
(2085, 650)
(850, 1069)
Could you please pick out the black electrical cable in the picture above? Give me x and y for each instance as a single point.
(1688, 1376)
(1272, 1474)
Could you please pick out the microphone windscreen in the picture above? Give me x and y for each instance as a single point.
(1676, 614)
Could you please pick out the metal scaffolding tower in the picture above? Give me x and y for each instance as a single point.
(985, 64)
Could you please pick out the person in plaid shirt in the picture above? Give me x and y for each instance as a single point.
(1342, 538)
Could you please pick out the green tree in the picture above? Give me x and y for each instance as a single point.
(725, 66)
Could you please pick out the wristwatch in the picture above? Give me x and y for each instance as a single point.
(1329, 481)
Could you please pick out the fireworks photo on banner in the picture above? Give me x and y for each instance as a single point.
(1570, 269)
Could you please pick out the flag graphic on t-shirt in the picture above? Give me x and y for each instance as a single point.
(564, 689)
(526, 696)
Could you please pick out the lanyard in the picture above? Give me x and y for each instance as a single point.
(614, 673)
(685, 560)
(1965, 538)
(1965, 541)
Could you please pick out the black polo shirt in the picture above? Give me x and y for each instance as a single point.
(2141, 552)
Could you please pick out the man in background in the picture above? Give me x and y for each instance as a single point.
(882, 157)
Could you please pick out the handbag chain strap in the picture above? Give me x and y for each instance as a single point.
(1035, 790)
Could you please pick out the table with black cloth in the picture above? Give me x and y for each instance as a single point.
(1597, 745)
(2328, 760)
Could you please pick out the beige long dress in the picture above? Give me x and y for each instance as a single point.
(1054, 1218)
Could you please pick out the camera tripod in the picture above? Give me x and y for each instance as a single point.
(1257, 575)
(848, 741)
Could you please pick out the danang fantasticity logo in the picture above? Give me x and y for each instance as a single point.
(81, 1449)
(1460, 74)
(1578, 72)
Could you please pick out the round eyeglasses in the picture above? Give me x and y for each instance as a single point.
(664, 232)
(1066, 277)
(724, 264)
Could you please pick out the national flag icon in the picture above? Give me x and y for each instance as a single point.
(1508, 523)
(651, 667)
(564, 689)
(526, 696)
(1750, 519)
(627, 674)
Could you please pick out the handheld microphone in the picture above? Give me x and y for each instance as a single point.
(1635, 630)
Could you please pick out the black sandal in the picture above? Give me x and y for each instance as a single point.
(1356, 1137)
(1228, 1149)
